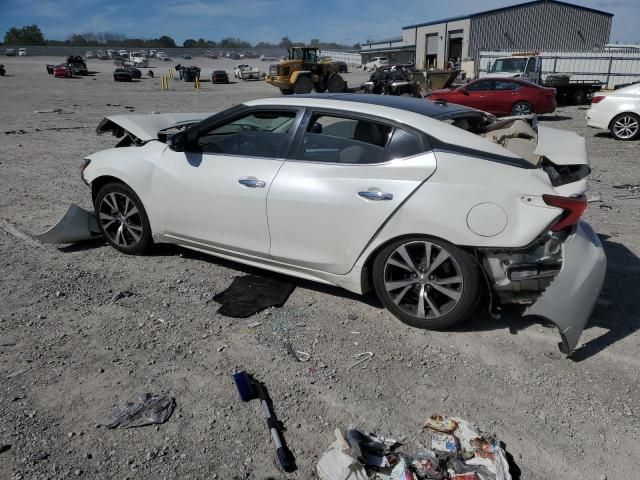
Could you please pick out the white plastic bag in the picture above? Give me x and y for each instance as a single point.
(338, 462)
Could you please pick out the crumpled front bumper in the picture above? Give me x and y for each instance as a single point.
(569, 300)
(76, 225)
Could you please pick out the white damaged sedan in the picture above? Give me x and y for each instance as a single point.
(430, 204)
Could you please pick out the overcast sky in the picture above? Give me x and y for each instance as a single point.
(346, 21)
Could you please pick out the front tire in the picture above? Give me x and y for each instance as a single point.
(426, 283)
(122, 219)
(303, 85)
(625, 126)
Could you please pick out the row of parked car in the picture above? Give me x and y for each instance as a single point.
(11, 52)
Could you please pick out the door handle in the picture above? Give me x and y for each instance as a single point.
(252, 182)
(375, 195)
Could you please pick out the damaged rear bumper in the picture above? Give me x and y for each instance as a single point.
(569, 300)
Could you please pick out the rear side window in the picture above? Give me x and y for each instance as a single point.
(344, 140)
(504, 85)
(403, 144)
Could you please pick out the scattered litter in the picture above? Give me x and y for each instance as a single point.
(366, 355)
(5, 447)
(594, 200)
(113, 104)
(439, 423)
(297, 354)
(53, 110)
(148, 409)
(370, 449)
(250, 389)
(222, 347)
(339, 463)
(120, 295)
(626, 186)
(16, 373)
(250, 294)
(15, 132)
(461, 453)
(40, 456)
(356, 333)
(254, 324)
(443, 442)
(61, 128)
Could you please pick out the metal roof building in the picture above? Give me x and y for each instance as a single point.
(545, 25)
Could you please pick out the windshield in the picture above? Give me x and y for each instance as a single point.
(510, 65)
(306, 55)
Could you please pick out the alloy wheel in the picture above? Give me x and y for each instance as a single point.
(120, 219)
(521, 109)
(423, 279)
(626, 127)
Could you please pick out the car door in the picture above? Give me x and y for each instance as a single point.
(480, 95)
(346, 176)
(506, 94)
(213, 196)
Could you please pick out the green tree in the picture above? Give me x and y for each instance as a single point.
(166, 42)
(314, 41)
(189, 43)
(27, 35)
(285, 42)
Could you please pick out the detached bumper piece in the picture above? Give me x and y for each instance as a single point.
(569, 300)
(76, 225)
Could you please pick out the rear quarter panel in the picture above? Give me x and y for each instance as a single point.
(440, 207)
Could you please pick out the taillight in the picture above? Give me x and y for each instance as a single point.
(597, 99)
(573, 208)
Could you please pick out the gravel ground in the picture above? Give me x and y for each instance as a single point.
(69, 351)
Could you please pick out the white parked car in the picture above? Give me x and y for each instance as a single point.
(162, 56)
(22, 52)
(376, 62)
(237, 70)
(89, 54)
(364, 191)
(618, 112)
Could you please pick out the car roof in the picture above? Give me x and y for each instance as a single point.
(428, 108)
(521, 81)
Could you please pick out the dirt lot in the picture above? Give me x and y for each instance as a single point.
(69, 351)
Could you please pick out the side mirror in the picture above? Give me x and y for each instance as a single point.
(489, 65)
(178, 141)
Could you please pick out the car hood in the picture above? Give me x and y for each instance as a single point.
(561, 147)
(146, 127)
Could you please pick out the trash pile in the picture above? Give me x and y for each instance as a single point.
(458, 451)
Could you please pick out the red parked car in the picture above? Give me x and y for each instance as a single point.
(501, 96)
(62, 71)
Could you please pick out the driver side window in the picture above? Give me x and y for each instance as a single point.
(256, 134)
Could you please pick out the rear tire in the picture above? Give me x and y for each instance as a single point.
(420, 295)
(578, 97)
(625, 127)
(522, 108)
(303, 85)
(122, 219)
